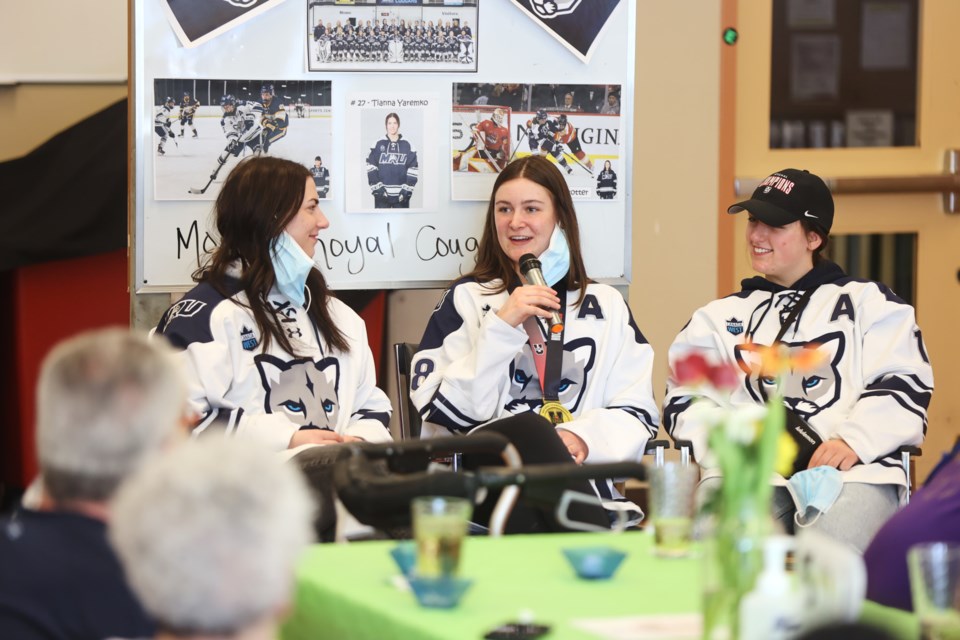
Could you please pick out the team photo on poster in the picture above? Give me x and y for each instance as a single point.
(392, 35)
(391, 154)
(202, 128)
(575, 126)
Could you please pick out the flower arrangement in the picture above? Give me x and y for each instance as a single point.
(747, 443)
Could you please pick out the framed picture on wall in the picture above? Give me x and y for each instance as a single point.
(202, 128)
(576, 126)
(392, 35)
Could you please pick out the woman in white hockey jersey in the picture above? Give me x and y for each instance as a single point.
(867, 397)
(268, 352)
(488, 352)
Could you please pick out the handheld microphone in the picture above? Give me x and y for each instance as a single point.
(530, 268)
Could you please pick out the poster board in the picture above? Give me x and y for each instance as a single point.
(365, 247)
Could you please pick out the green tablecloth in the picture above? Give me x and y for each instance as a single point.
(902, 625)
(345, 591)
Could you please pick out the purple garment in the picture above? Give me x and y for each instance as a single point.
(933, 515)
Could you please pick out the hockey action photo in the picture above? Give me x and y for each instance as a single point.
(204, 127)
(575, 126)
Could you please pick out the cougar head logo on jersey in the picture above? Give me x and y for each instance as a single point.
(301, 389)
(807, 393)
(525, 394)
(243, 4)
(552, 8)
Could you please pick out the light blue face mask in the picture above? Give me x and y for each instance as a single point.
(555, 261)
(817, 489)
(291, 266)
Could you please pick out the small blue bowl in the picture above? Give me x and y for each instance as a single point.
(595, 563)
(439, 593)
(405, 555)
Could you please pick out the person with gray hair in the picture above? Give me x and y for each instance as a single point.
(106, 400)
(209, 552)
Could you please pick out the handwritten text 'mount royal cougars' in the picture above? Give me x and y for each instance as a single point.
(428, 245)
(348, 253)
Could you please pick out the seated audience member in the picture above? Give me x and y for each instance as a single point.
(933, 515)
(209, 535)
(267, 351)
(105, 401)
(868, 395)
(488, 357)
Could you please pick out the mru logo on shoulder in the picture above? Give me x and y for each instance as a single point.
(548, 9)
(243, 4)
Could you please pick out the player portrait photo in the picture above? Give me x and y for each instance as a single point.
(392, 35)
(391, 156)
(202, 128)
(574, 126)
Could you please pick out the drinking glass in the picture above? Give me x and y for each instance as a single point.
(439, 526)
(672, 489)
(935, 586)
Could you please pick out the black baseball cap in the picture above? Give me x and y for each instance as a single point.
(790, 195)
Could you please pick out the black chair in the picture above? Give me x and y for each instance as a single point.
(410, 421)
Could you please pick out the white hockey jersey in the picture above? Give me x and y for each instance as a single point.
(269, 395)
(473, 368)
(872, 388)
(244, 123)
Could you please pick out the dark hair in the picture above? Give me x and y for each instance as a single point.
(809, 226)
(493, 263)
(257, 201)
(391, 115)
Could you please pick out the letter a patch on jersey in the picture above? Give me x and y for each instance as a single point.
(844, 307)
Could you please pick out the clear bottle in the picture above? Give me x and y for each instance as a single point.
(770, 611)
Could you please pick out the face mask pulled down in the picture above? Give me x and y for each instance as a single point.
(814, 491)
(555, 260)
(291, 266)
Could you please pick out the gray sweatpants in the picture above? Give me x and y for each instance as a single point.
(854, 518)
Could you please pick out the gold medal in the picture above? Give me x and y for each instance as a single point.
(555, 412)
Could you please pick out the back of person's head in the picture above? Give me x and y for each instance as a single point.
(209, 535)
(105, 400)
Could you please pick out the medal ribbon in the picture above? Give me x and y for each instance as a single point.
(548, 359)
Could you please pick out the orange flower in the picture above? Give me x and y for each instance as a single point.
(779, 359)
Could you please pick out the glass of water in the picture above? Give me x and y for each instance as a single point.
(935, 587)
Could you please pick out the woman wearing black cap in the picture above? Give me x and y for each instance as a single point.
(866, 398)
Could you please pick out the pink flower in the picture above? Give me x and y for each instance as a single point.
(694, 370)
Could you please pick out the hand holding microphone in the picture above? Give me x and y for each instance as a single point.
(530, 268)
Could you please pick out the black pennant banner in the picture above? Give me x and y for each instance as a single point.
(196, 21)
(577, 24)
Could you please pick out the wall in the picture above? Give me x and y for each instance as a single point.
(46, 303)
(676, 169)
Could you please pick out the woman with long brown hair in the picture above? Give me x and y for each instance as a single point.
(492, 355)
(268, 352)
